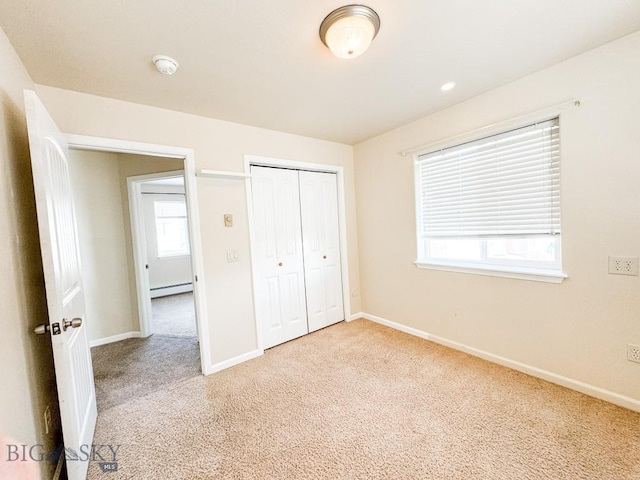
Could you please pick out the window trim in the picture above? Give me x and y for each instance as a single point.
(505, 271)
(520, 273)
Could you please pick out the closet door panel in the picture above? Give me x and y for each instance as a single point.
(321, 244)
(314, 283)
(278, 254)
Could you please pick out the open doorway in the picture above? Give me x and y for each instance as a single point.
(186, 158)
(128, 360)
(160, 235)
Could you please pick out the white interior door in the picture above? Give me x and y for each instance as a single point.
(65, 295)
(321, 244)
(278, 257)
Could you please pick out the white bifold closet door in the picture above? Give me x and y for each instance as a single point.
(321, 247)
(296, 252)
(279, 266)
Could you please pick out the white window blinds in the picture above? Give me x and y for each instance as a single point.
(506, 184)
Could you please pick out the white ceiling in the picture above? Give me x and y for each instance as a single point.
(261, 63)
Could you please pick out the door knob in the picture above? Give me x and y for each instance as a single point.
(324, 256)
(74, 323)
(280, 264)
(41, 329)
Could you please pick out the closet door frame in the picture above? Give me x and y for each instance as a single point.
(260, 161)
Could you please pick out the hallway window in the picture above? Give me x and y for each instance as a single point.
(172, 232)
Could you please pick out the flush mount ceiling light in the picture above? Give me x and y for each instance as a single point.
(348, 31)
(165, 65)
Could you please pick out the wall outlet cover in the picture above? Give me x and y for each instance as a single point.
(633, 353)
(623, 265)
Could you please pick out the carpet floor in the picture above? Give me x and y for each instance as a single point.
(130, 369)
(362, 401)
(174, 315)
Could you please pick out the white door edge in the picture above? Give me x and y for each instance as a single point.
(256, 160)
(139, 258)
(83, 142)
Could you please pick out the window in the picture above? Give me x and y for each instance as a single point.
(493, 204)
(172, 233)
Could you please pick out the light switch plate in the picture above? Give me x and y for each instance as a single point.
(232, 256)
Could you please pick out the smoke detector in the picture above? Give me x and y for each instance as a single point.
(165, 65)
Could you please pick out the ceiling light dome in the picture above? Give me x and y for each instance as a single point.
(165, 65)
(348, 31)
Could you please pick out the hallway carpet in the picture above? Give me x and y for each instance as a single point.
(136, 367)
(174, 315)
(362, 401)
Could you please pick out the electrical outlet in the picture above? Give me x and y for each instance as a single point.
(47, 419)
(633, 353)
(623, 265)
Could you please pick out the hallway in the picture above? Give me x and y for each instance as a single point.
(174, 315)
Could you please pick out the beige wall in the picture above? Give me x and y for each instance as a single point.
(579, 329)
(95, 177)
(26, 372)
(218, 145)
(104, 230)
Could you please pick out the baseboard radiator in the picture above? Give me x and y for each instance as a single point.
(171, 290)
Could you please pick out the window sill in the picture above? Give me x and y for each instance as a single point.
(520, 273)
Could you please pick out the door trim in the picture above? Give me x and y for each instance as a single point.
(143, 289)
(260, 161)
(83, 142)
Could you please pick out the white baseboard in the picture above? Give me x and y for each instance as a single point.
(216, 367)
(587, 389)
(355, 316)
(114, 338)
(173, 290)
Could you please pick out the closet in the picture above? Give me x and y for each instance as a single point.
(296, 247)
